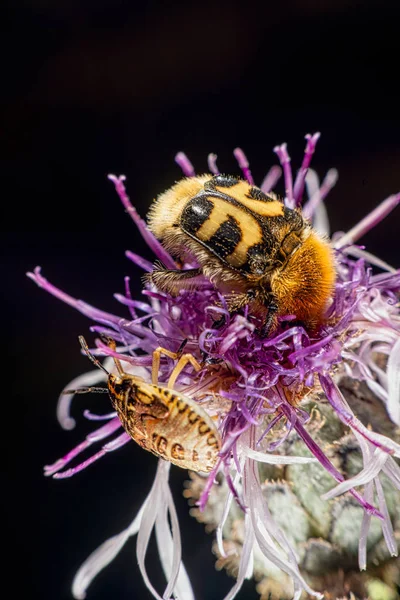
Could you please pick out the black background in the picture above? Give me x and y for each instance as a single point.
(97, 87)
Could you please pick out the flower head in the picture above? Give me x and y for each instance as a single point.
(257, 389)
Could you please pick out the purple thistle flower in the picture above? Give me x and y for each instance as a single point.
(254, 386)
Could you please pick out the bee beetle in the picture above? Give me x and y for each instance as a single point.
(254, 250)
(163, 421)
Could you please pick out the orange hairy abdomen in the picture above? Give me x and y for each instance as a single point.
(305, 284)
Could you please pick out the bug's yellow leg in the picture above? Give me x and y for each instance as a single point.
(156, 362)
(111, 344)
(180, 365)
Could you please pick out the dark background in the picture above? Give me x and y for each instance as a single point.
(97, 87)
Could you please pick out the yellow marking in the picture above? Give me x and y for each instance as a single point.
(193, 417)
(145, 393)
(249, 226)
(169, 397)
(241, 191)
(204, 428)
(236, 191)
(181, 405)
(264, 209)
(212, 440)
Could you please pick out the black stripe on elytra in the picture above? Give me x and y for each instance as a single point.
(224, 181)
(195, 213)
(191, 221)
(211, 194)
(294, 218)
(258, 194)
(267, 223)
(226, 238)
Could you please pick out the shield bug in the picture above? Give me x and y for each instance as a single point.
(160, 419)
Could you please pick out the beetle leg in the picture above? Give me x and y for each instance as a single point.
(270, 320)
(218, 323)
(173, 281)
(239, 301)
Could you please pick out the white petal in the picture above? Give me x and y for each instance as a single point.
(245, 557)
(225, 514)
(372, 469)
(392, 470)
(362, 546)
(277, 459)
(85, 380)
(312, 183)
(321, 220)
(271, 551)
(378, 390)
(387, 527)
(371, 258)
(393, 373)
(150, 513)
(170, 551)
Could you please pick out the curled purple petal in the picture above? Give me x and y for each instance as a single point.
(148, 237)
(370, 221)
